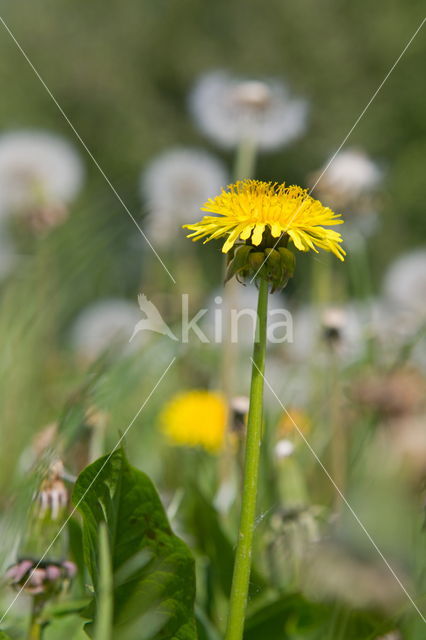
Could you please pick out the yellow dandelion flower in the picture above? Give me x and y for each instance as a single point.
(250, 207)
(195, 419)
(288, 420)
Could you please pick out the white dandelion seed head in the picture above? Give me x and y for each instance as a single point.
(347, 327)
(351, 172)
(404, 284)
(283, 449)
(403, 315)
(240, 404)
(252, 94)
(393, 327)
(104, 324)
(174, 186)
(334, 318)
(37, 167)
(229, 110)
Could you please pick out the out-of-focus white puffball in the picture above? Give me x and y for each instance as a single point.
(230, 110)
(37, 168)
(174, 187)
(404, 284)
(240, 404)
(344, 329)
(351, 172)
(283, 449)
(349, 183)
(404, 305)
(105, 324)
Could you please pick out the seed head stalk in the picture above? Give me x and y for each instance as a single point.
(242, 567)
(244, 167)
(35, 629)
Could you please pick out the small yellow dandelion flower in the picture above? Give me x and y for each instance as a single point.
(250, 207)
(288, 420)
(195, 419)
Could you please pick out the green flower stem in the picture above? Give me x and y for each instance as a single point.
(35, 629)
(241, 577)
(34, 632)
(244, 167)
(245, 159)
(338, 438)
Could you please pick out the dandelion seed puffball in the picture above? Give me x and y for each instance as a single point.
(283, 449)
(346, 326)
(174, 186)
(37, 168)
(229, 110)
(103, 324)
(404, 283)
(351, 172)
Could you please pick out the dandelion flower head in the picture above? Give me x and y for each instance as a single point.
(195, 418)
(37, 167)
(248, 208)
(230, 109)
(293, 421)
(173, 186)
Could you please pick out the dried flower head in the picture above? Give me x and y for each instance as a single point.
(53, 495)
(251, 209)
(405, 440)
(230, 110)
(45, 578)
(396, 394)
(195, 419)
(173, 186)
(239, 407)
